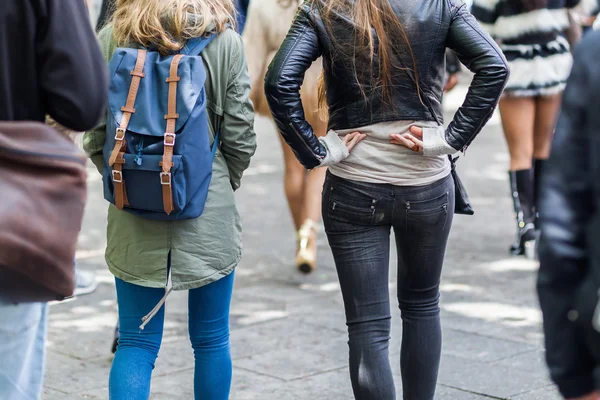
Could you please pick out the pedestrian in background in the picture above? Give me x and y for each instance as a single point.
(387, 154)
(267, 25)
(569, 276)
(197, 254)
(51, 65)
(530, 33)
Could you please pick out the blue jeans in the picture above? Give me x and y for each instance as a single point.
(208, 325)
(358, 219)
(22, 350)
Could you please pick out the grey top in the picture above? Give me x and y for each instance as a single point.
(376, 160)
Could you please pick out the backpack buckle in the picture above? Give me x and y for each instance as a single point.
(167, 142)
(120, 135)
(165, 178)
(117, 176)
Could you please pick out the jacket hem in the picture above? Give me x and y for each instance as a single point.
(136, 280)
(396, 117)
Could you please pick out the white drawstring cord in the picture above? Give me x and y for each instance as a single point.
(148, 317)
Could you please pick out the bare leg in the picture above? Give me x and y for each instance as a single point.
(311, 214)
(294, 181)
(518, 118)
(546, 112)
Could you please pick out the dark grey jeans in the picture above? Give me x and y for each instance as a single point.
(358, 218)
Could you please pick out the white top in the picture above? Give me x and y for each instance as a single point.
(376, 160)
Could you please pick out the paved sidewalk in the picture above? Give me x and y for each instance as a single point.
(288, 331)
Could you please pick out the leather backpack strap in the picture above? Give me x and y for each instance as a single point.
(119, 183)
(169, 141)
(128, 109)
(117, 159)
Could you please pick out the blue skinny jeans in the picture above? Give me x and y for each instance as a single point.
(208, 326)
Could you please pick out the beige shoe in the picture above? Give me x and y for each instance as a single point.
(306, 257)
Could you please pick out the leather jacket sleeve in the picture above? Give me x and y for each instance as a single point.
(282, 87)
(566, 209)
(480, 54)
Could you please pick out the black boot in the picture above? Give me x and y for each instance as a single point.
(521, 186)
(531, 252)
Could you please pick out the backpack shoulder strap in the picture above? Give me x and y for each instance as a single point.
(194, 47)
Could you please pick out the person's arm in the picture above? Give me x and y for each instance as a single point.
(238, 139)
(480, 54)
(284, 78)
(452, 70)
(72, 73)
(566, 208)
(452, 63)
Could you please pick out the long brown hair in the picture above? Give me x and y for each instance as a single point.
(167, 24)
(378, 34)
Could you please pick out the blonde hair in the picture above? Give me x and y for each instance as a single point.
(167, 24)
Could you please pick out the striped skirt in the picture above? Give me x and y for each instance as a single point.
(538, 69)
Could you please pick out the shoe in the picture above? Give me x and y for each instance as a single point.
(521, 185)
(85, 282)
(306, 257)
(116, 339)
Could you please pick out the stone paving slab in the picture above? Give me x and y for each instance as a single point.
(288, 331)
(478, 377)
(548, 393)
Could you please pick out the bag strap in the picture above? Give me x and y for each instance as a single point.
(116, 159)
(194, 47)
(169, 140)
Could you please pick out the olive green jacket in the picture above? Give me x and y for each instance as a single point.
(207, 248)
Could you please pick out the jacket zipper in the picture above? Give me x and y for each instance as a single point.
(303, 142)
(36, 154)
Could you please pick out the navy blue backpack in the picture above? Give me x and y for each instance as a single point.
(158, 157)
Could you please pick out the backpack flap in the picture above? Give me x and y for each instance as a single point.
(153, 93)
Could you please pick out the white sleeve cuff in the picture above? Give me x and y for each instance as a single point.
(336, 149)
(434, 140)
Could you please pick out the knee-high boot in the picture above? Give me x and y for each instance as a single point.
(522, 190)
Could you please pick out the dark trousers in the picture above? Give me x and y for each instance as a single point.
(358, 219)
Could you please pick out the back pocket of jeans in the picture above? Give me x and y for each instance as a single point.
(429, 213)
(351, 207)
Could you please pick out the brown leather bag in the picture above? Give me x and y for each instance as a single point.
(42, 197)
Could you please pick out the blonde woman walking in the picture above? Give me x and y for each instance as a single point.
(149, 257)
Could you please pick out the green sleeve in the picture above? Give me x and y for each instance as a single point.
(93, 141)
(238, 140)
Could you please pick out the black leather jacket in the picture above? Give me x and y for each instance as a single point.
(569, 276)
(431, 26)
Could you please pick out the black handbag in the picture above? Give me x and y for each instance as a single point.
(462, 204)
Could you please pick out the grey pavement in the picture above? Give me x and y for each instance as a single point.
(288, 331)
